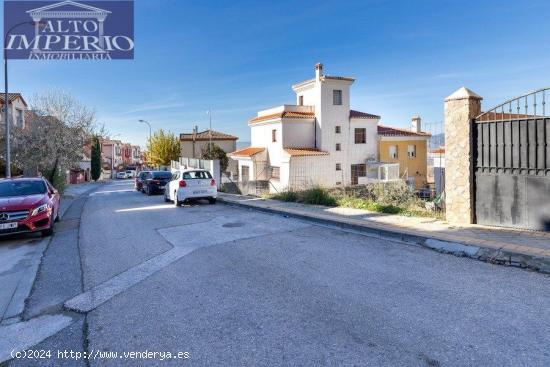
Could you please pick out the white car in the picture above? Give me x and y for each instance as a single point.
(189, 185)
(121, 175)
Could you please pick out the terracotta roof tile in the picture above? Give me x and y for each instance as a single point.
(392, 131)
(298, 152)
(361, 115)
(205, 135)
(284, 114)
(246, 152)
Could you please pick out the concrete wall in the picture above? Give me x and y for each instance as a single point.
(415, 167)
(308, 171)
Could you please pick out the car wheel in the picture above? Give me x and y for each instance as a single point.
(166, 198)
(176, 201)
(49, 231)
(148, 191)
(212, 200)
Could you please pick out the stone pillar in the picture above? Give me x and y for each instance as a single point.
(460, 108)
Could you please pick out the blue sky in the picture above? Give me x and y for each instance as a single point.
(241, 56)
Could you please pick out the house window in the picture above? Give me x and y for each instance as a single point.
(393, 152)
(245, 173)
(338, 166)
(274, 136)
(301, 100)
(275, 172)
(360, 136)
(19, 118)
(338, 147)
(358, 170)
(411, 151)
(338, 129)
(337, 97)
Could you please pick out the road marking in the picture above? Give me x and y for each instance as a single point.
(185, 239)
(22, 335)
(109, 192)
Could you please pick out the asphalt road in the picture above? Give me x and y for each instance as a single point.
(235, 287)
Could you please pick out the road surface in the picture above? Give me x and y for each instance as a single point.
(236, 287)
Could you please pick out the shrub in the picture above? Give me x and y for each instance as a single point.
(289, 196)
(318, 196)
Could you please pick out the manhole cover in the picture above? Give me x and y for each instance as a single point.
(232, 225)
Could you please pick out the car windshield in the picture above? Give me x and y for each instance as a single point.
(196, 174)
(22, 188)
(162, 174)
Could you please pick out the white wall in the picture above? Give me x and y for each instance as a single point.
(298, 133)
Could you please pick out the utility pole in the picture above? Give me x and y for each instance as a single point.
(209, 112)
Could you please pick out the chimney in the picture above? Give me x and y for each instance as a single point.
(416, 125)
(318, 71)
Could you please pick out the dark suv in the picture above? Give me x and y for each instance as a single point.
(155, 181)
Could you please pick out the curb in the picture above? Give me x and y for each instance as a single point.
(499, 256)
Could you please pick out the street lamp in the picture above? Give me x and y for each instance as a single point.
(148, 124)
(209, 112)
(6, 97)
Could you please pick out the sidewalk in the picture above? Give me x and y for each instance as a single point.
(20, 258)
(526, 249)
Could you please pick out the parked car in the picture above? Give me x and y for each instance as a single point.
(189, 185)
(130, 174)
(121, 175)
(140, 180)
(156, 181)
(28, 205)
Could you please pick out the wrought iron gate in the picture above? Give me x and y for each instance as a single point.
(512, 163)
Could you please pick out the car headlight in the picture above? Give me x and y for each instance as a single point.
(39, 209)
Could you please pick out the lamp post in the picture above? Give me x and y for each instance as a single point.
(209, 112)
(148, 124)
(6, 96)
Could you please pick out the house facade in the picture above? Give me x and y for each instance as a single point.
(319, 140)
(192, 144)
(17, 107)
(409, 148)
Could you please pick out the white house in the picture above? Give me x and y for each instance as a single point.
(317, 141)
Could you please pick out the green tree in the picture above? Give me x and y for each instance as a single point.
(96, 158)
(215, 153)
(162, 148)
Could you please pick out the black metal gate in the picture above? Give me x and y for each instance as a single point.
(512, 164)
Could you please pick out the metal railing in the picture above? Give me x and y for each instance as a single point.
(530, 105)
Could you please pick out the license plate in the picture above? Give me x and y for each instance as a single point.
(8, 225)
(199, 192)
(161, 187)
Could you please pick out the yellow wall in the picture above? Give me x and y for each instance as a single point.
(414, 167)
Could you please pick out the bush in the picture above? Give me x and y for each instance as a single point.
(388, 198)
(289, 196)
(318, 196)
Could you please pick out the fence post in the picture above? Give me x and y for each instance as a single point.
(461, 108)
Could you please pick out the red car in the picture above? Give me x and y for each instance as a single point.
(28, 205)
